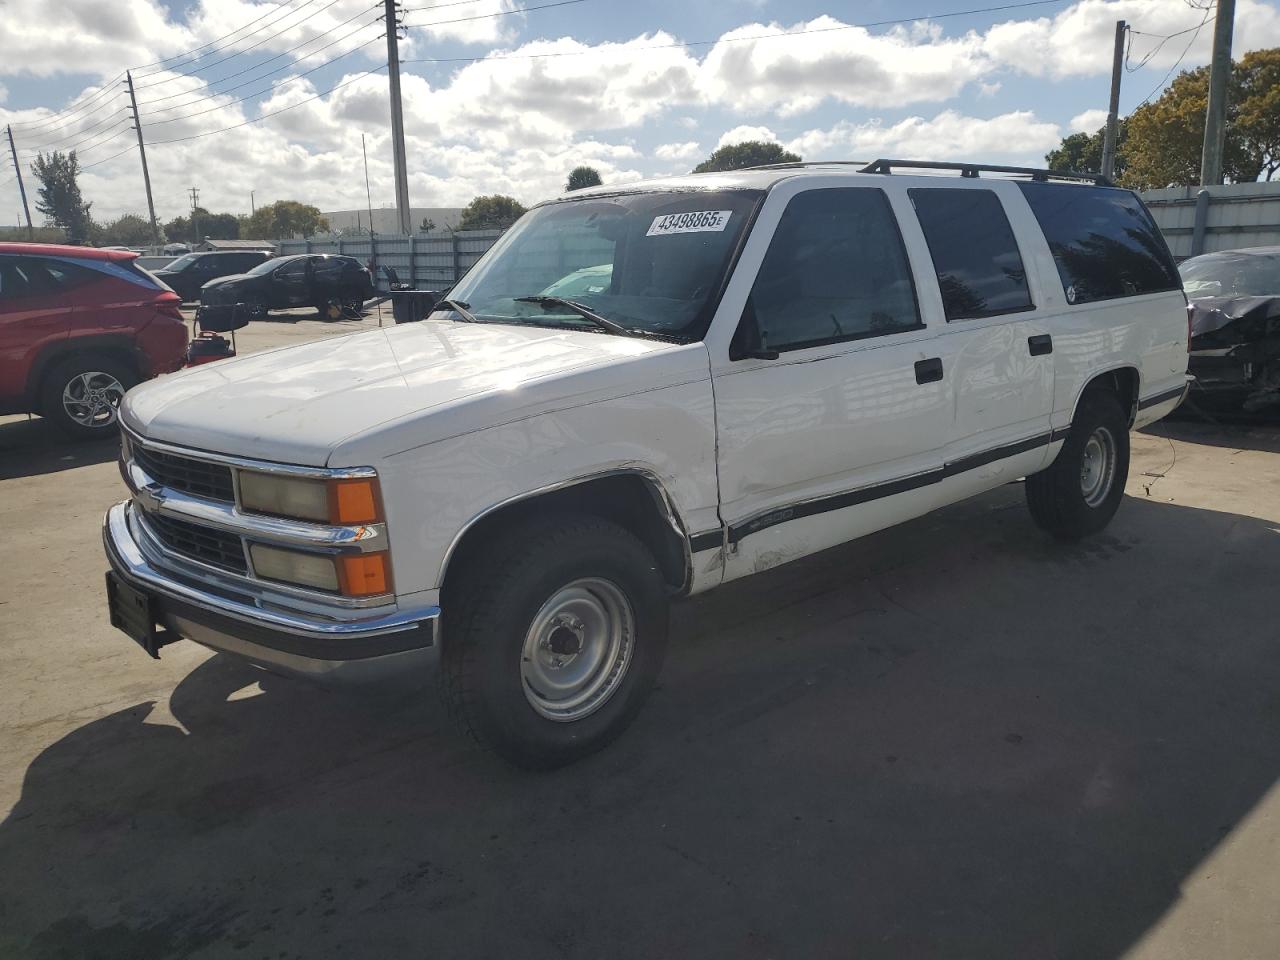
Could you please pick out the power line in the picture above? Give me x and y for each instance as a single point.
(489, 16)
(761, 36)
(1208, 15)
(98, 163)
(244, 50)
(217, 44)
(113, 116)
(257, 93)
(108, 89)
(218, 93)
(274, 113)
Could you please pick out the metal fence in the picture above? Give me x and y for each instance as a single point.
(429, 262)
(1224, 218)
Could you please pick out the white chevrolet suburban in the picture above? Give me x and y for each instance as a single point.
(640, 393)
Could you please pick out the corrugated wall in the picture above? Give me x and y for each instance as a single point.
(427, 262)
(1239, 215)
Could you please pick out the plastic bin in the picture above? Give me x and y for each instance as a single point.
(410, 306)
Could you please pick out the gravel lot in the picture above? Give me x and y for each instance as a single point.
(951, 739)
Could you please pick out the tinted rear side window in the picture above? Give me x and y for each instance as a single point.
(977, 260)
(1103, 240)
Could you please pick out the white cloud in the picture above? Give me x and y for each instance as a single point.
(678, 152)
(848, 64)
(1079, 40)
(1090, 121)
(740, 134)
(947, 136)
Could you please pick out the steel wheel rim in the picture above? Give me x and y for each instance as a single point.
(1098, 466)
(577, 650)
(92, 398)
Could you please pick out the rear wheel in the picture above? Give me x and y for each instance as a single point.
(82, 395)
(552, 647)
(1079, 493)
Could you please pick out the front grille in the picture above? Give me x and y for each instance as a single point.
(211, 480)
(205, 544)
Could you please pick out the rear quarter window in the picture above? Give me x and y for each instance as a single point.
(1103, 241)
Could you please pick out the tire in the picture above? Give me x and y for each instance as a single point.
(352, 302)
(1079, 493)
(81, 395)
(544, 588)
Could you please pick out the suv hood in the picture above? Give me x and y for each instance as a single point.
(327, 402)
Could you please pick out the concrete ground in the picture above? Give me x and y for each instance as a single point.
(952, 739)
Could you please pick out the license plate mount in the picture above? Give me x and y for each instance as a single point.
(133, 613)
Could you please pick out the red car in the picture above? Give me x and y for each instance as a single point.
(79, 327)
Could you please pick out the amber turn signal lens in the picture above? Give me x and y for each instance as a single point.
(364, 574)
(353, 501)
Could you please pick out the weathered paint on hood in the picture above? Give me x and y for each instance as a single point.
(300, 404)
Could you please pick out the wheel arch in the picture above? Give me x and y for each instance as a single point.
(1123, 380)
(633, 498)
(117, 346)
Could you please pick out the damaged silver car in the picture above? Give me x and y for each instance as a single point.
(1234, 308)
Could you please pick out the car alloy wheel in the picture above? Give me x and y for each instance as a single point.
(91, 399)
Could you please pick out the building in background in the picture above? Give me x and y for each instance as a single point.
(212, 245)
(356, 222)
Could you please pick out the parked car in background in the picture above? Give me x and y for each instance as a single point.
(305, 280)
(776, 361)
(78, 327)
(1235, 326)
(189, 273)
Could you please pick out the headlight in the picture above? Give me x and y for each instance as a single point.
(352, 575)
(324, 501)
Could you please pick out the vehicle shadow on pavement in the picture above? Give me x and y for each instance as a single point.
(35, 447)
(951, 739)
(1240, 434)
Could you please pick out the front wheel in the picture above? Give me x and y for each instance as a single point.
(82, 395)
(1079, 493)
(554, 647)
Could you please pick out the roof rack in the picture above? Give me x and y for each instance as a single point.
(973, 169)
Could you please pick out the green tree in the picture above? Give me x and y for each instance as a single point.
(580, 177)
(749, 153)
(427, 225)
(1166, 135)
(193, 229)
(1082, 152)
(1258, 117)
(38, 235)
(58, 196)
(283, 219)
(127, 230)
(492, 212)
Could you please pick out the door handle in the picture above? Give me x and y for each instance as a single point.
(1040, 344)
(929, 371)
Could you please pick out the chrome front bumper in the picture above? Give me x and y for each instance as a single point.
(363, 645)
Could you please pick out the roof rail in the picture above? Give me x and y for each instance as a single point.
(973, 169)
(795, 164)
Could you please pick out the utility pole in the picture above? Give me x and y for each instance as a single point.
(368, 195)
(1113, 109)
(142, 152)
(31, 234)
(195, 214)
(397, 115)
(252, 208)
(1215, 117)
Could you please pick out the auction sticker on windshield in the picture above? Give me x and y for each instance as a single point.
(695, 221)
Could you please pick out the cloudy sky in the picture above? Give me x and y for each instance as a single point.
(500, 96)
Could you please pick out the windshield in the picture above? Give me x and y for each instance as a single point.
(182, 262)
(651, 262)
(1232, 275)
(266, 266)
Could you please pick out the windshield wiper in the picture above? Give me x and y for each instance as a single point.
(604, 323)
(459, 307)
